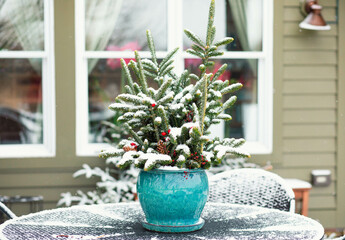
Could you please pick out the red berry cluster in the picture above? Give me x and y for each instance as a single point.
(189, 116)
(134, 145)
(198, 158)
(185, 174)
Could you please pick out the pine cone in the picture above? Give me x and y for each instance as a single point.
(161, 148)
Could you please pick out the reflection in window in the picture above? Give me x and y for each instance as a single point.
(240, 19)
(20, 103)
(21, 25)
(115, 23)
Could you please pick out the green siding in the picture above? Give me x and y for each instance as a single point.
(309, 105)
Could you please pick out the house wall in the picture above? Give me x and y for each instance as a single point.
(50, 177)
(309, 123)
(306, 106)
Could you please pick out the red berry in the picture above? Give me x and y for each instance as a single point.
(203, 163)
(169, 131)
(164, 133)
(133, 144)
(153, 104)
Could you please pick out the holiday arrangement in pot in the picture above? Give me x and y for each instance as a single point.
(168, 127)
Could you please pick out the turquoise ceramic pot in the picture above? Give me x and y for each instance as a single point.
(173, 200)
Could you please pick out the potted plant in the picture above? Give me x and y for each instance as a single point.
(168, 131)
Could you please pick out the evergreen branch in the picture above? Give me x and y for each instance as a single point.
(111, 153)
(213, 34)
(181, 81)
(215, 54)
(129, 98)
(194, 77)
(133, 134)
(165, 66)
(128, 90)
(238, 142)
(229, 103)
(196, 112)
(195, 53)
(224, 41)
(150, 65)
(225, 117)
(197, 85)
(135, 69)
(232, 88)
(215, 84)
(168, 57)
(126, 107)
(150, 74)
(142, 78)
(197, 48)
(127, 73)
(151, 46)
(173, 75)
(167, 70)
(168, 98)
(137, 89)
(194, 38)
(220, 71)
(163, 115)
(163, 88)
(203, 103)
(210, 23)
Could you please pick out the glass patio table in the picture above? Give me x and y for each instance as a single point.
(123, 221)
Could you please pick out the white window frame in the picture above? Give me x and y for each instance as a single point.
(47, 148)
(175, 39)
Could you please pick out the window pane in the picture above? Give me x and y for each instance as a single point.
(121, 25)
(20, 101)
(22, 25)
(244, 121)
(240, 19)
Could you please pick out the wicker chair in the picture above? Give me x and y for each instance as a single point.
(252, 187)
(5, 210)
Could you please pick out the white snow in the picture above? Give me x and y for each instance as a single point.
(176, 106)
(175, 131)
(181, 158)
(128, 156)
(153, 158)
(158, 120)
(185, 149)
(139, 114)
(191, 124)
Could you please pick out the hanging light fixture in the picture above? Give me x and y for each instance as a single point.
(314, 20)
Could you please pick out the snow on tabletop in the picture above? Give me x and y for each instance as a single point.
(84, 237)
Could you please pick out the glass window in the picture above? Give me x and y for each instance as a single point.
(120, 28)
(27, 126)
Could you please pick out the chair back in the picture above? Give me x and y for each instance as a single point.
(4, 209)
(250, 186)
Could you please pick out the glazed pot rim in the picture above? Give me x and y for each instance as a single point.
(166, 170)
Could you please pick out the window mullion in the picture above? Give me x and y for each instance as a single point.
(81, 82)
